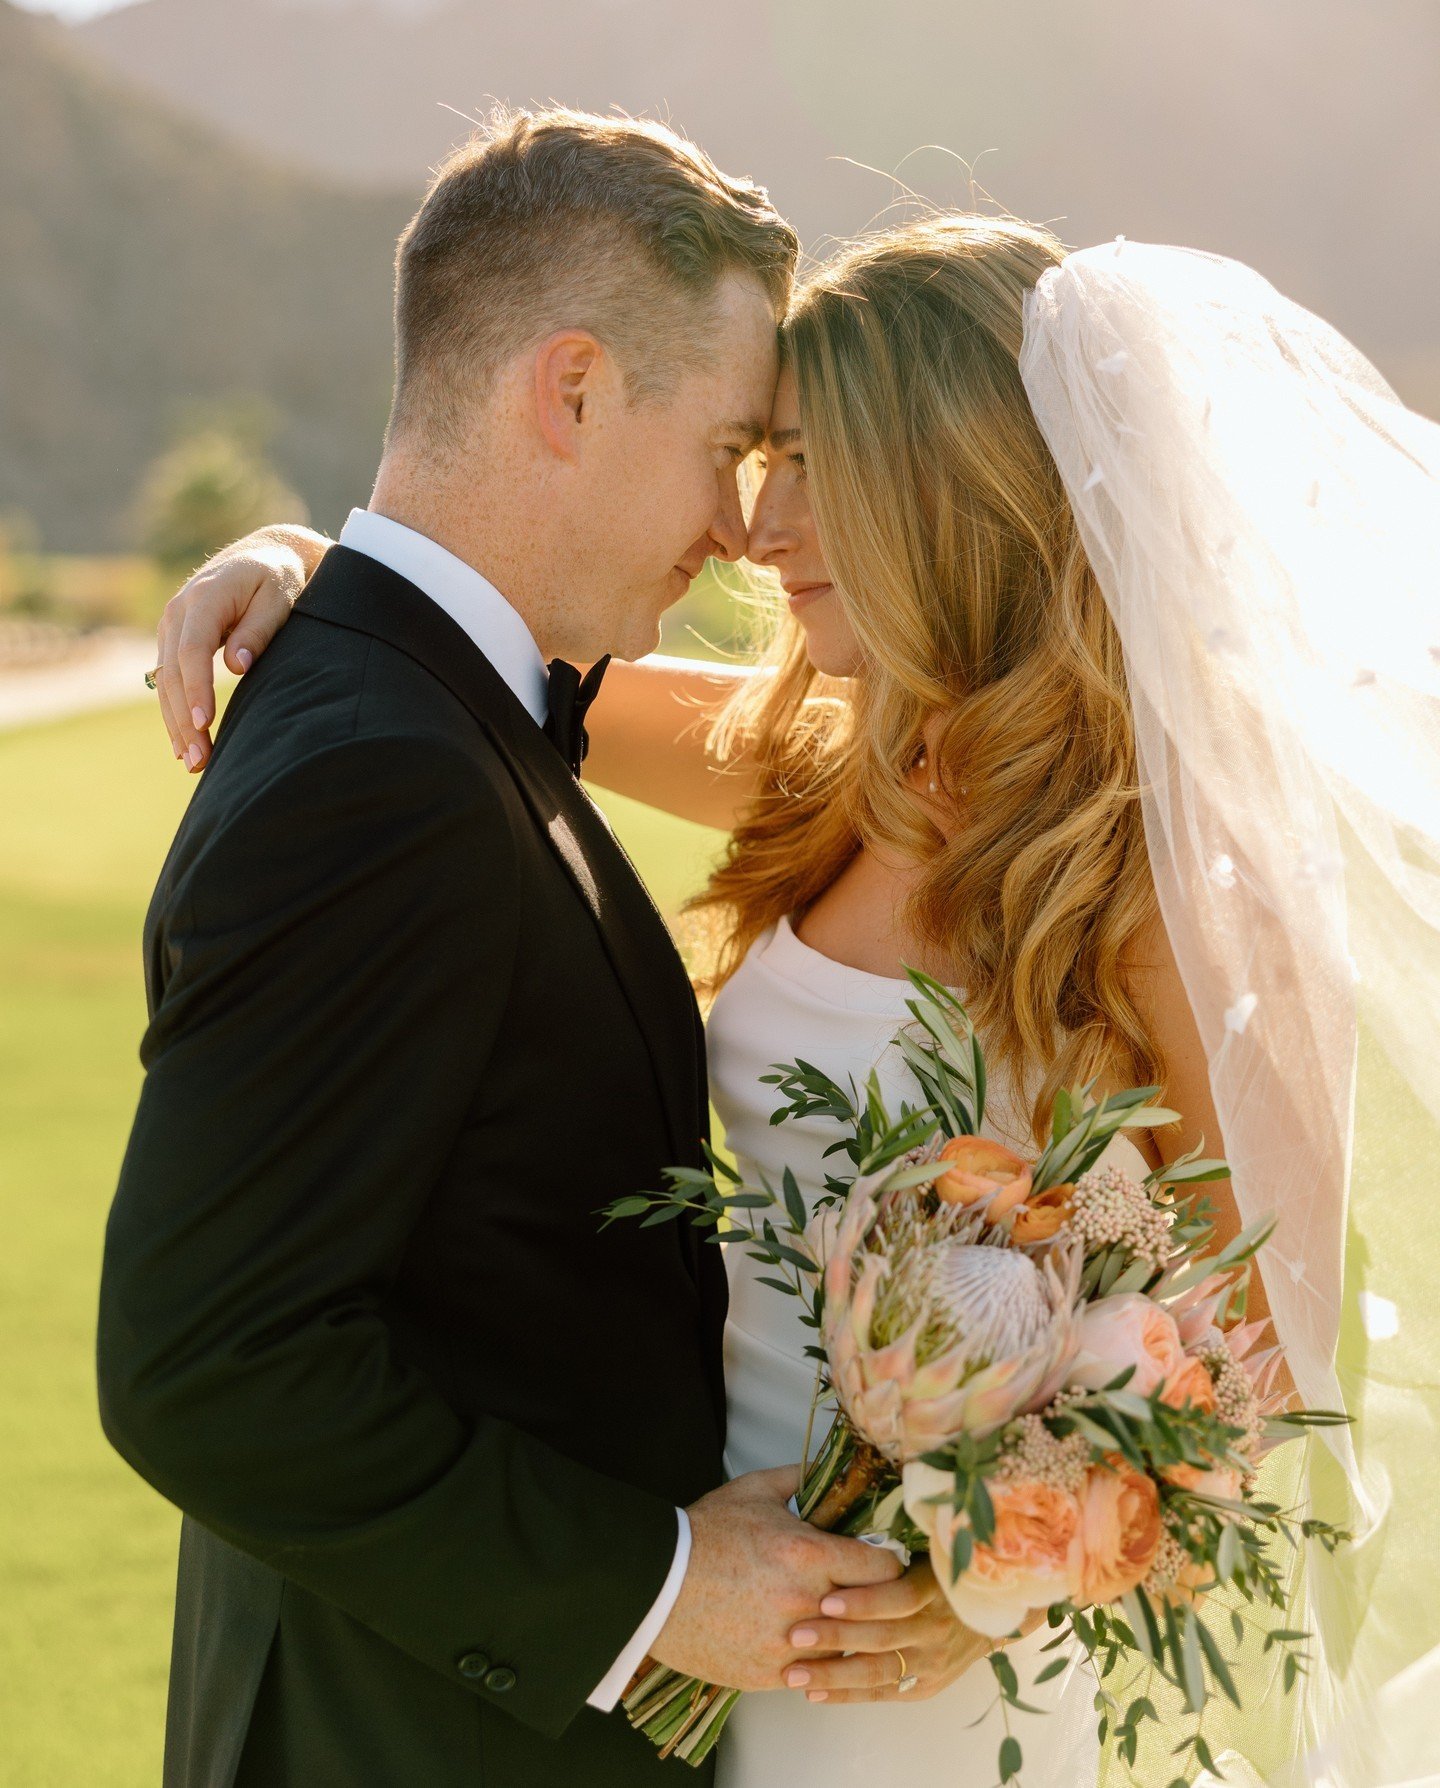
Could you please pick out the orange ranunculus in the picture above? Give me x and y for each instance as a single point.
(1119, 1530)
(1042, 1216)
(982, 1169)
(1191, 1383)
(1218, 1480)
(1186, 1589)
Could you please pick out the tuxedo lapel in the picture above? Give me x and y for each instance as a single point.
(352, 590)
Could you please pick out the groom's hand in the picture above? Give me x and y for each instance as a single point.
(756, 1570)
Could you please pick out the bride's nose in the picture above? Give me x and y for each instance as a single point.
(771, 537)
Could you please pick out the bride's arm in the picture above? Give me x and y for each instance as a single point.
(648, 731)
(1155, 985)
(240, 598)
(648, 735)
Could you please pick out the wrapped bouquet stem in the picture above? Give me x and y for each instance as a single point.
(839, 1492)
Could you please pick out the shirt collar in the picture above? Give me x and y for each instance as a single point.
(470, 600)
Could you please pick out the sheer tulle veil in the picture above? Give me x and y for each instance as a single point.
(1263, 515)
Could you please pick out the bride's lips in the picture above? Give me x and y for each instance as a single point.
(802, 595)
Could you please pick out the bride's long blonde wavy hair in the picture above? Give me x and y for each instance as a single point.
(955, 553)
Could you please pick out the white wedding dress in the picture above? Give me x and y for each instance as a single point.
(788, 1001)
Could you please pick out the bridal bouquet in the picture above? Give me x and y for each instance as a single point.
(1043, 1375)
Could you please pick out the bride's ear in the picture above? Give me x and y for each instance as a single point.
(570, 369)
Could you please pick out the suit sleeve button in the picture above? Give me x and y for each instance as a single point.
(474, 1664)
(500, 1679)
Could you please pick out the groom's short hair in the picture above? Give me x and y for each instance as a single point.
(561, 219)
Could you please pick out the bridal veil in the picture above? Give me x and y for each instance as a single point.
(1263, 515)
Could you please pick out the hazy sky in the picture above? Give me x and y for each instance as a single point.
(72, 9)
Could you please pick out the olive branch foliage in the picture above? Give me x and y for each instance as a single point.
(1233, 1542)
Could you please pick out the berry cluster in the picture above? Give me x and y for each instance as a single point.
(1033, 1452)
(1108, 1208)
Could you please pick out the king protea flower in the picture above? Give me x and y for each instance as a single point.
(933, 1331)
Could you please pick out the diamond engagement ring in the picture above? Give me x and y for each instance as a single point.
(150, 676)
(907, 1681)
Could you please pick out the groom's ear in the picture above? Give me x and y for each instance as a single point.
(570, 369)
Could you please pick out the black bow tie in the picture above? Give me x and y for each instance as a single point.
(570, 696)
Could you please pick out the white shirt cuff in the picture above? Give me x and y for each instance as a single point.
(618, 1676)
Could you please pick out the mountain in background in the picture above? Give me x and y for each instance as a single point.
(153, 270)
(194, 193)
(1298, 135)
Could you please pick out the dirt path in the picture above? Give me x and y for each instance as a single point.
(102, 671)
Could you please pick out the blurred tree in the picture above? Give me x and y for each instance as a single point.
(207, 489)
(26, 588)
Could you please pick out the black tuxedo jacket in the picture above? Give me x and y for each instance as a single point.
(414, 1021)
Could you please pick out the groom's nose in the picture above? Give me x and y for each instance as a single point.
(727, 530)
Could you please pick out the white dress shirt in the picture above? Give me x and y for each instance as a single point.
(474, 604)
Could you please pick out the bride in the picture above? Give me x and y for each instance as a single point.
(1048, 716)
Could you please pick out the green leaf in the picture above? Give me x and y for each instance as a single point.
(1114, 1266)
(1052, 1669)
(1142, 1618)
(793, 1257)
(1010, 1759)
(1149, 1117)
(1190, 1662)
(1135, 1277)
(1228, 1552)
(1195, 1174)
(666, 1215)
(1004, 1674)
(1218, 1666)
(982, 1511)
(627, 1207)
(918, 1175)
(794, 1202)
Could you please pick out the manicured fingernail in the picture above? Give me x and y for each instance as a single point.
(817, 1695)
(797, 1679)
(834, 1606)
(192, 757)
(244, 657)
(201, 719)
(803, 1636)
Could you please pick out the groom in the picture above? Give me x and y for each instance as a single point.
(448, 1454)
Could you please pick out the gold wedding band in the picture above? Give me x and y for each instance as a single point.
(907, 1681)
(150, 676)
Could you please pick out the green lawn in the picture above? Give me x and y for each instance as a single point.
(87, 1550)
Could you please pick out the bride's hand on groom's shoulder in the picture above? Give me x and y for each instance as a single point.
(756, 1571)
(881, 1625)
(239, 599)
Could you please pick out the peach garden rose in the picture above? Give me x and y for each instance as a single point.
(1032, 1560)
(1127, 1330)
(1119, 1530)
